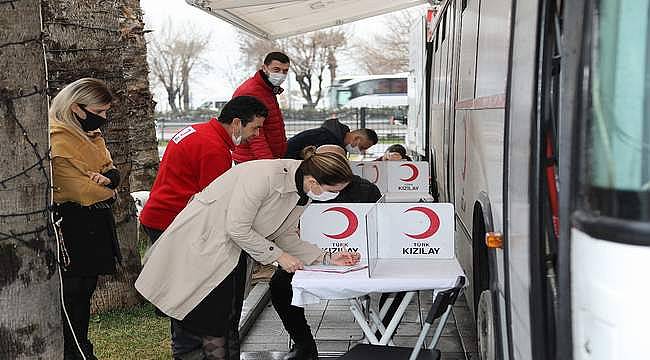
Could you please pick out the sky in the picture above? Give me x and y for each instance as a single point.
(212, 83)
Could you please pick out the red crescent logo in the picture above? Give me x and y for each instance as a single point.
(376, 174)
(353, 223)
(415, 172)
(434, 223)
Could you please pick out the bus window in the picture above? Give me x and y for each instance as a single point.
(617, 174)
(398, 86)
(370, 87)
(343, 97)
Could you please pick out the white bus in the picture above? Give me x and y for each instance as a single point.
(370, 91)
(536, 128)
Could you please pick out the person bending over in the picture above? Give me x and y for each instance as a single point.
(359, 190)
(253, 208)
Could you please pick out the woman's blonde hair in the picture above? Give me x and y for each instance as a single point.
(327, 168)
(85, 91)
(307, 151)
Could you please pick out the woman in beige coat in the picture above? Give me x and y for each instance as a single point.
(195, 272)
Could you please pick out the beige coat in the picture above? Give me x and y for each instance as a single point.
(247, 208)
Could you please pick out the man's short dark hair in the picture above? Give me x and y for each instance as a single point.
(369, 134)
(243, 107)
(276, 55)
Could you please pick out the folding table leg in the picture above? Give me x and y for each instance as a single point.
(357, 312)
(396, 318)
(378, 325)
(387, 304)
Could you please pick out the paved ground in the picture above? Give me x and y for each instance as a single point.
(335, 330)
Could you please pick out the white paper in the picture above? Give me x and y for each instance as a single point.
(335, 268)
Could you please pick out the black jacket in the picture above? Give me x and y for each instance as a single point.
(331, 132)
(90, 236)
(359, 190)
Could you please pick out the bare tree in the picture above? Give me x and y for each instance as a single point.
(254, 49)
(388, 52)
(30, 321)
(310, 55)
(175, 53)
(233, 72)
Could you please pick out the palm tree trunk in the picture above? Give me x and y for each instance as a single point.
(144, 145)
(107, 47)
(30, 320)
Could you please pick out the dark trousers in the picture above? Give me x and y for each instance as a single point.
(77, 292)
(293, 317)
(184, 343)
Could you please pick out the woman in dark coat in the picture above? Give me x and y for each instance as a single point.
(84, 180)
(395, 152)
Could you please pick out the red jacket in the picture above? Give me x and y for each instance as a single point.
(193, 158)
(272, 140)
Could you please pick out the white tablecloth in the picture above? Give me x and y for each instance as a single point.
(390, 275)
(406, 197)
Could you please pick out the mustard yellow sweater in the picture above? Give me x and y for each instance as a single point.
(73, 155)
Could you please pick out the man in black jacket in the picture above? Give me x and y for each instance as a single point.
(332, 132)
(293, 318)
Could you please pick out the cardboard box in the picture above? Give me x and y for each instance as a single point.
(418, 232)
(398, 176)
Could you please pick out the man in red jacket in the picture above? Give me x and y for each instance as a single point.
(271, 143)
(194, 157)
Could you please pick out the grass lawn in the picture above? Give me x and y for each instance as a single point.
(135, 333)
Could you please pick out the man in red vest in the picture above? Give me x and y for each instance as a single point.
(271, 143)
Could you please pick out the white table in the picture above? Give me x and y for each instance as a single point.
(397, 197)
(388, 276)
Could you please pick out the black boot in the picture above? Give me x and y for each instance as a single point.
(303, 351)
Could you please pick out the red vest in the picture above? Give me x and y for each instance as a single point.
(194, 157)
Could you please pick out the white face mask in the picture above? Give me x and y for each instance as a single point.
(324, 196)
(352, 150)
(237, 139)
(277, 78)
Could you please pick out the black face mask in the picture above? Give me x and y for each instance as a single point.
(91, 122)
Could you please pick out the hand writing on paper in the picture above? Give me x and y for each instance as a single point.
(290, 263)
(345, 258)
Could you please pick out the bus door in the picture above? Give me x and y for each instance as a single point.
(609, 203)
